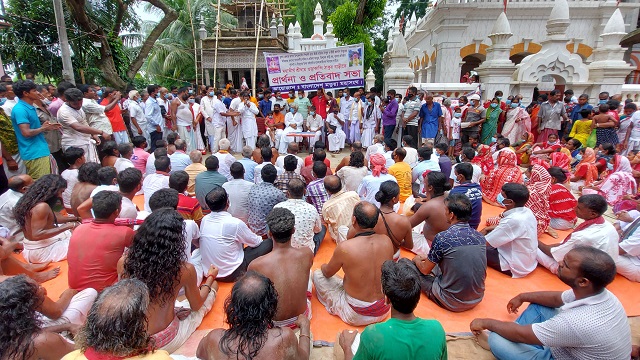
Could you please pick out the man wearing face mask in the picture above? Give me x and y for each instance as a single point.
(284, 105)
(355, 119)
(213, 110)
(476, 115)
(346, 103)
(512, 245)
(303, 103)
(431, 118)
(411, 111)
(183, 117)
(389, 113)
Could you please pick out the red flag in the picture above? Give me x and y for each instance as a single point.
(505, 5)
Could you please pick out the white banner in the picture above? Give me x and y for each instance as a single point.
(333, 68)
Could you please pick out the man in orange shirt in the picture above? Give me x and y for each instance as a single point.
(115, 116)
(402, 172)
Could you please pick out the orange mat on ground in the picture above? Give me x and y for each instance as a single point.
(499, 290)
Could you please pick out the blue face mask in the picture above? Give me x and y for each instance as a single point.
(508, 102)
(609, 166)
(493, 139)
(500, 199)
(292, 110)
(312, 113)
(525, 178)
(99, 93)
(579, 157)
(166, 96)
(494, 105)
(3, 100)
(457, 115)
(212, 94)
(192, 101)
(602, 102)
(514, 105)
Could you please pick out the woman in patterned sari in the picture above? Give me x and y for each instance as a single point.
(586, 171)
(517, 122)
(490, 126)
(523, 147)
(618, 183)
(484, 159)
(506, 172)
(539, 191)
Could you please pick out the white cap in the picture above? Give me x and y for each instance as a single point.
(474, 97)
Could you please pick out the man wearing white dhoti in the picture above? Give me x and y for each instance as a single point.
(248, 112)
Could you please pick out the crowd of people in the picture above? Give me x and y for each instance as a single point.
(418, 176)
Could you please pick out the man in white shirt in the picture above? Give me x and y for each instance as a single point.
(412, 153)
(124, 161)
(336, 122)
(595, 231)
(96, 117)
(292, 149)
(628, 262)
(238, 192)
(585, 322)
(314, 124)
(76, 131)
(377, 147)
(248, 111)
(346, 103)
(213, 110)
(222, 237)
(11, 99)
(277, 99)
(158, 180)
(18, 185)
(466, 156)
(309, 231)
(428, 161)
(266, 160)
(513, 243)
(179, 159)
(225, 159)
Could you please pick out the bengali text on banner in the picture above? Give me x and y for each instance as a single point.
(334, 68)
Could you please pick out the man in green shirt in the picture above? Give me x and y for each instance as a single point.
(404, 336)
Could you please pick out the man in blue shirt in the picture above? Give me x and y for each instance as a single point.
(247, 163)
(265, 105)
(29, 133)
(464, 174)
(431, 117)
(582, 105)
(154, 116)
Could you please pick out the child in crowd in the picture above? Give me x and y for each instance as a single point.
(454, 130)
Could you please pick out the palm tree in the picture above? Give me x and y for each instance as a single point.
(172, 60)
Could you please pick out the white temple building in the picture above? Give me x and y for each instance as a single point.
(562, 44)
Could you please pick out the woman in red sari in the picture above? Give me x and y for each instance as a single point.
(484, 159)
(561, 160)
(507, 171)
(539, 191)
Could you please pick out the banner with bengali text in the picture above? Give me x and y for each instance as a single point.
(333, 68)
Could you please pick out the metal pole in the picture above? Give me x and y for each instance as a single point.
(255, 56)
(67, 66)
(215, 55)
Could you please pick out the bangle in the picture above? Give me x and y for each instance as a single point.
(210, 289)
(301, 335)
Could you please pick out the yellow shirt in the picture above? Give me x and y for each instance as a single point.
(193, 170)
(581, 130)
(402, 172)
(156, 355)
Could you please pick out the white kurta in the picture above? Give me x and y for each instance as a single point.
(336, 140)
(315, 124)
(248, 122)
(369, 126)
(295, 119)
(234, 132)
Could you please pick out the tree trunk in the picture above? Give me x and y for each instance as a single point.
(106, 62)
(360, 12)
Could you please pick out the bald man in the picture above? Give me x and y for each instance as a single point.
(354, 298)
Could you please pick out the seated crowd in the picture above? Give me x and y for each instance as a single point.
(142, 280)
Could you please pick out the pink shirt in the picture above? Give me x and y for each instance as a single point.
(139, 159)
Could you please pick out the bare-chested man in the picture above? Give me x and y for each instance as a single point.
(46, 233)
(390, 223)
(356, 300)
(87, 181)
(432, 212)
(250, 310)
(288, 268)
(158, 259)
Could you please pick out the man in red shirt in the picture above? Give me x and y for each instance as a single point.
(320, 102)
(188, 207)
(96, 247)
(115, 116)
